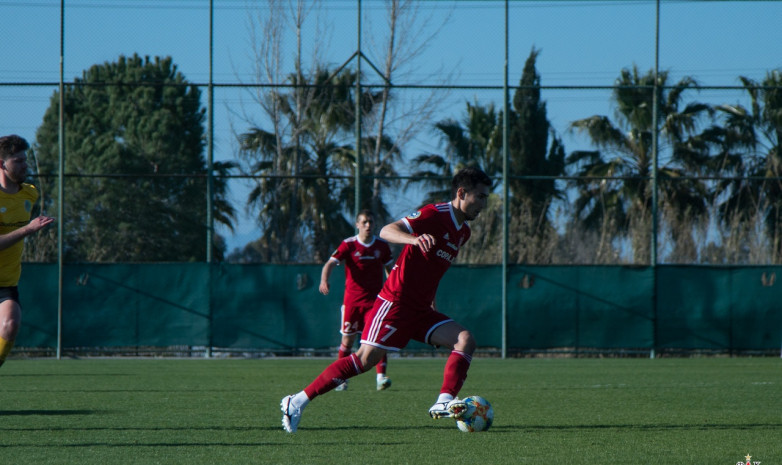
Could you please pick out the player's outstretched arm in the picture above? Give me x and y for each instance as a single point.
(35, 225)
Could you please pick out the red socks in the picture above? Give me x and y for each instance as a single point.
(381, 366)
(344, 351)
(334, 375)
(455, 372)
(340, 370)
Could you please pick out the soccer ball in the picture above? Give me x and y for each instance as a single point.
(478, 416)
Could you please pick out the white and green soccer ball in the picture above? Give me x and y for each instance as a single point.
(478, 416)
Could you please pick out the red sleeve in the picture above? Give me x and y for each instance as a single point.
(420, 220)
(342, 251)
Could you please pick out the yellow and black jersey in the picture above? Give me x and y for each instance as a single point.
(15, 212)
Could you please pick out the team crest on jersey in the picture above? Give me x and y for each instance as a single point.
(357, 254)
(414, 215)
(446, 237)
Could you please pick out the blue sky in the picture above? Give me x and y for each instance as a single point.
(582, 43)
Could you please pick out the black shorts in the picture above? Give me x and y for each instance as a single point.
(9, 293)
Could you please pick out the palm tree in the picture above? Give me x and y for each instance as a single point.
(475, 142)
(305, 167)
(298, 209)
(620, 207)
(479, 143)
(750, 150)
(378, 173)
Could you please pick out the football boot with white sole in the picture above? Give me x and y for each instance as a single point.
(383, 383)
(290, 415)
(452, 409)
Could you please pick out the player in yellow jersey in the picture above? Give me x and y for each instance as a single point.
(16, 204)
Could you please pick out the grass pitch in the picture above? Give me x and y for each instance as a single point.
(557, 411)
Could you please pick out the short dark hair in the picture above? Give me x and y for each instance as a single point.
(469, 178)
(366, 212)
(13, 144)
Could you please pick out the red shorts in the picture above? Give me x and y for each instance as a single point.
(353, 316)
(391, 325)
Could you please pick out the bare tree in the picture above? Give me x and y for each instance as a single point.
(307, 117)
(400, 43)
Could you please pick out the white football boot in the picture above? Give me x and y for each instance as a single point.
(383, 383)
(290, 415)
(452, 409)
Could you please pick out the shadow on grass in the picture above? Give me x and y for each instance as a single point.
(135, 445)
(636, 427)
(386, 430)
(62, 375)
(280, 441)
(24, 413)
(151, 429)
(379, 428)
(192, 429)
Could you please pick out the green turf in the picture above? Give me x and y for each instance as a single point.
(547, 411)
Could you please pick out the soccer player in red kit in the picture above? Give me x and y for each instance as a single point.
(366, 258)
(404, 309)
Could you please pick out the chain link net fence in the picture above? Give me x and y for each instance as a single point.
(627, 132)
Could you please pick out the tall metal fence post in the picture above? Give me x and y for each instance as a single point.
(505, 207)
(61, 180)
(359, 160)
(655, 187)
(210, 177)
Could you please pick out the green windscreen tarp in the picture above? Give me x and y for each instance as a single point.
(278, 307)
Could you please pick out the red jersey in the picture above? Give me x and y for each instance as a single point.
(415, 276)
(364, 265)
